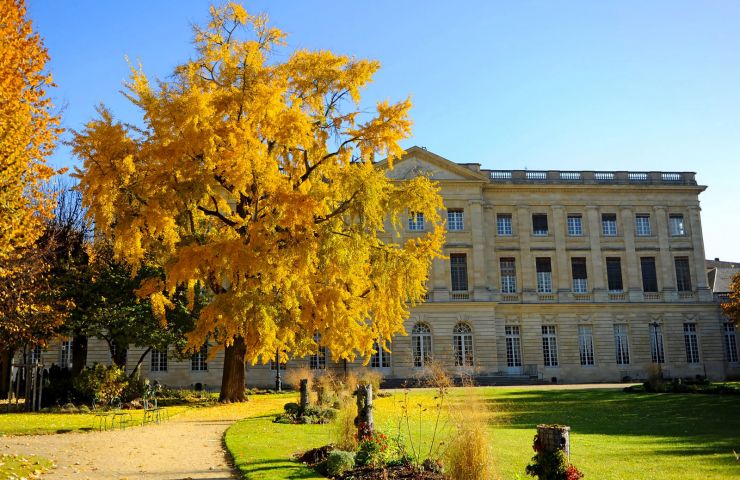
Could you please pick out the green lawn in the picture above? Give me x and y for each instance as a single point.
(614, 435)
(43, 423)
(16, 466)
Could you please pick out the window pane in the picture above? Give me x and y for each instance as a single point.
(621, 344)
(586, 344)
(575, 227)
(416, 221)
(503, 224)
(730, 343)
(692, 342)
(614, 274)
(513, 346)
(455, 219)
(609, 224)
(549, 346)
(677, 225)
(642, 225)
(683, 274)
(649, 275)
(459, 272)
(539, 224)
(544, 275)
(656, 344)
(508, 275)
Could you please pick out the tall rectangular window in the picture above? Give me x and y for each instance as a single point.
(609, 224)
(459, 272)
(198, 362)
(539, 224)
(159, 361)
(580, 279)
(683, 274)
(621, 344)
(508, 275)
(614, 274)
(678, 229)
(36, 354)
(317, 361)
(65, 354)
(730, 342)
(575, 225)
(544, 275)
(503, 225)
(656, 344)
(549, 346)
(513, 346)
(649, 275)
(692, 342)
(455, 219)
(381, 358)
(586, 344)
(642, 225)
(416, 221)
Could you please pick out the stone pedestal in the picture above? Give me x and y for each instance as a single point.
(554, 437)
(304, 394)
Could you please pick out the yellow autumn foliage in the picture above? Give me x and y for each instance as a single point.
(254, 176)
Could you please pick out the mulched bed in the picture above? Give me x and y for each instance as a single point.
(404, 472)
(400, 472)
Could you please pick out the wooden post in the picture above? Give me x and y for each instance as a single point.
(554, 437)
(304, 394)
(364, 421)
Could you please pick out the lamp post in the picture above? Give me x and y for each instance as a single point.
(658, 348)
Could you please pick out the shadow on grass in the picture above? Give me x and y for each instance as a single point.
(695, 425)
(282, 467)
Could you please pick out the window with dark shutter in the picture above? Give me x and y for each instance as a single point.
(614, 274)
(459, 272)
(683, 274)
(539, 224)
(649, 276)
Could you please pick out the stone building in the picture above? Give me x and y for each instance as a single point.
(572, 276)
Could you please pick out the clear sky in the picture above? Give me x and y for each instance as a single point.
(592, 85)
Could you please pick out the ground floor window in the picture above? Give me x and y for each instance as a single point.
(159, 360)
(656, 344)
(513, 346)
(621, 344)
(549, 346)
(462, 338)
(421, 344)
(65, 354)
(692, 342)
(730, 342)
(36, 354)
(586, 344)
(198, 362)
(381, 358)
(318, 359)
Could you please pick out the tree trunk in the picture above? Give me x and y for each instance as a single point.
(79, 354)
(137, 369)
(6, 359)
(232, 381)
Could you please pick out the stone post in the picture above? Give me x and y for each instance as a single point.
(304, 394)
(554, 437)
(364, 420)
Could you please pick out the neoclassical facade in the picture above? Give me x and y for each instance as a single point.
(578, 276)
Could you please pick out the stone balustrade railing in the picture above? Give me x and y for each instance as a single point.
(592, 177)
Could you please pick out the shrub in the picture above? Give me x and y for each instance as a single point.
(292, 408)
(468, 455)
(339, 462)
(373, 451)
(101, 383)
(344, 430)
(60, 388)
(325, 387)
(318, 415)
(135, 388)
(551, 465)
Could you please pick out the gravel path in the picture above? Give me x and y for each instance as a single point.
(189, 446)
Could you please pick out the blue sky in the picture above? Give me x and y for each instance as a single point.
(610, 85)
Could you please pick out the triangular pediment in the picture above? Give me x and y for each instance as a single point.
(419, 161)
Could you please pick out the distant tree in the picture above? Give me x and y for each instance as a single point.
(253, 177)
(732, 306)
(28, 130)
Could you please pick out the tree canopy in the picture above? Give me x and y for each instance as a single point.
(253, 176)
(732, 306)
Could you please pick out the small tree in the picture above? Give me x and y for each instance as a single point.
(732, 306)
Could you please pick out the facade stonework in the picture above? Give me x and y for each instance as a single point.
(572, 276)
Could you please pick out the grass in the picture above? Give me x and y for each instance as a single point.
(46, 423)
(16, 466)
(614, 435)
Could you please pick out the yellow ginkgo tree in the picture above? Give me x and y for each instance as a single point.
(252, 179)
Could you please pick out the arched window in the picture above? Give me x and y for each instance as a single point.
(421, 343)
(462, 339)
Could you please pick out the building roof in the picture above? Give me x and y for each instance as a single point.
(720, 273)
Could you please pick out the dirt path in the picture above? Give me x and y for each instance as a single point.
(189, 446)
